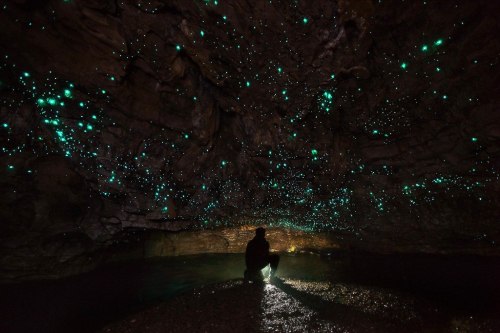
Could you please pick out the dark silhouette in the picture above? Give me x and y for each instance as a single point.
(257, 257)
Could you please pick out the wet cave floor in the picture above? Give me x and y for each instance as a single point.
(338, 292)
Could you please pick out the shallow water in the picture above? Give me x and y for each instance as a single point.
(455, 293)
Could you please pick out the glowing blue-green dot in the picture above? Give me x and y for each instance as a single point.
(203, 187)
(26, 74)
(283, 92)
(61, 104)
(202, 33)
(224, 17)
(424, 48)
(103, 91)
(223, 163)
(474, 139)
(178, 47)
(89, 127)
(10, 167)
(40, 102)
(51, 101)
(5, 125)
(81, 104)
(305, 20)
(248, 83)
(445, 96)
(294, 135)
(438, 180)
(164, 209)
(438, 69)
(112, 78)
(332, 76)
(67, 93)
(94, 116)
(80, 124)
(186, 136)
(280, 70)
(314, 152)
(61, 135)
(375, 132)
(438, 42)
(404, 65)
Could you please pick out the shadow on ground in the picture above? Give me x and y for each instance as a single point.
(333, 293)
(288, 305)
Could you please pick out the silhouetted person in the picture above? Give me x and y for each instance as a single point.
(257, 257)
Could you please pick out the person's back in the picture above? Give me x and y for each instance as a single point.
(256, 253)
(257, 256)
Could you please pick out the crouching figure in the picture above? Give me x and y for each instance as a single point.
(257, 257)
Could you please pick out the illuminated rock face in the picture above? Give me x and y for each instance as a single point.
(376, 122)
(233, 240)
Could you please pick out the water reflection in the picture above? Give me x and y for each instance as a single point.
(360, 293)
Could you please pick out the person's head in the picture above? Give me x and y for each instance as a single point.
(260, 232)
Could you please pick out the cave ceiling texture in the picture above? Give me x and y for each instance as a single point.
(372, 121)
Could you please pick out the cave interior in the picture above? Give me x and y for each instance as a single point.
(150, 130)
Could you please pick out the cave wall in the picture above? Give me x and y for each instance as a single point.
(373, 121)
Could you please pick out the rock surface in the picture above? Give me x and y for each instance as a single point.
(372, 121)
(292, 305)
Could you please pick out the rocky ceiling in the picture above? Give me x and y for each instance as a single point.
(369, 119)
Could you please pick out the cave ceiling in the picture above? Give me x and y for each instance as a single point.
(360, 117)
